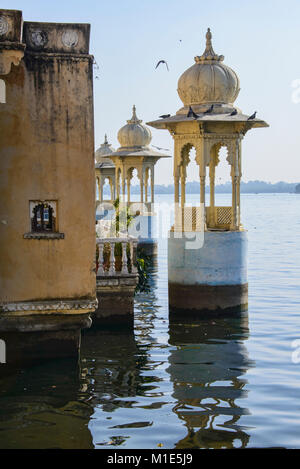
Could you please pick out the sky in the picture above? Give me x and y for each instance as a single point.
(259, 40)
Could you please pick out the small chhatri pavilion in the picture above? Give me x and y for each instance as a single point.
(134, 153)
(105, 169)
(211, 275)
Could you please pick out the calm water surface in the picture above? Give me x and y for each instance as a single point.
(213, 384)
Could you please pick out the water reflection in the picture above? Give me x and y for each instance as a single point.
(45, 406)
(113, 362)
(207, 369)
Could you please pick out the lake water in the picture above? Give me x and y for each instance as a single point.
(218, 383)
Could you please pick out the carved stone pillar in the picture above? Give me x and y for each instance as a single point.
(234, 200)
(101, 189)
(114, 188)
(128, 187)
(111, 189)
(235, 176)
(117, 183)
(141, 185)
(96, 184)
(146, 178)
(202, 189)
(238, 189)
(238, 198)
(183, 177)
(152, 184)
(123, 185)
(176, 183)
(201, 158)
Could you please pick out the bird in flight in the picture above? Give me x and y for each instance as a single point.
(158, 148)
(162, 62)
(164, 116)
(252, 117)
(209, 110)
(233, 113)
(191, 113)
(96, 68)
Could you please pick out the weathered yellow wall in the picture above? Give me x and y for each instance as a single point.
(47, 153)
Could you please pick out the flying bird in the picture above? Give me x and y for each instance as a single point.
(162, 62)
(233, 113)
(252, 117)
(191, 113)
(209, 110)
(164, 116)
(158, 148)
(96, 68)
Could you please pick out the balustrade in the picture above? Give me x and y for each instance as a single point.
(116, 256)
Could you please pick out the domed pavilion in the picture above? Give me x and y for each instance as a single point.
(105, 169)
(135, 153)
(209, 273)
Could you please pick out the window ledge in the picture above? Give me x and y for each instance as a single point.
(42, 235)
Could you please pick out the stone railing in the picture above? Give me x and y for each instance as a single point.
(219, 217)
(189, 219)
(116, 256)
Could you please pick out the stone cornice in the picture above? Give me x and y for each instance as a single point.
(48, 307)
(41, 235)
(7, 45)
(59, 56)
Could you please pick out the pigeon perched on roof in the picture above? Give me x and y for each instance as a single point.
(209, 110)
(191, 113)
(164, 116)
(233, 113)
(252, 116)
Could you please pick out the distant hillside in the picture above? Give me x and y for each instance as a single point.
(251, 187)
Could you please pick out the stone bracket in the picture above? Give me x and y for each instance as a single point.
(9, 57)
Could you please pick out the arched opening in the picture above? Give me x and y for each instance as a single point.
(222, 177)
(192, 170)
(2, 92)
(107, 193)
(220, 213)
(135, 189)
(189, 174)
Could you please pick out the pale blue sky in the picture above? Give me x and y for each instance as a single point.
(259, 39)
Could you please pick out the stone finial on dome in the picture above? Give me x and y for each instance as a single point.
(209, 53)
(104, 150)
(134, 119)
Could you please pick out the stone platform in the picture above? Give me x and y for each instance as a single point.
(210, 279)
(115, 296)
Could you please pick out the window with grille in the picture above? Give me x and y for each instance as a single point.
(43, 217)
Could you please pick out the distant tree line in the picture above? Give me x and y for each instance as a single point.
(251, 187)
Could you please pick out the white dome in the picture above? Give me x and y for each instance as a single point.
(104, 150)
(208, 81)
(134, 133)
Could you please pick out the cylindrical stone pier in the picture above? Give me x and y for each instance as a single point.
(208, 278)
